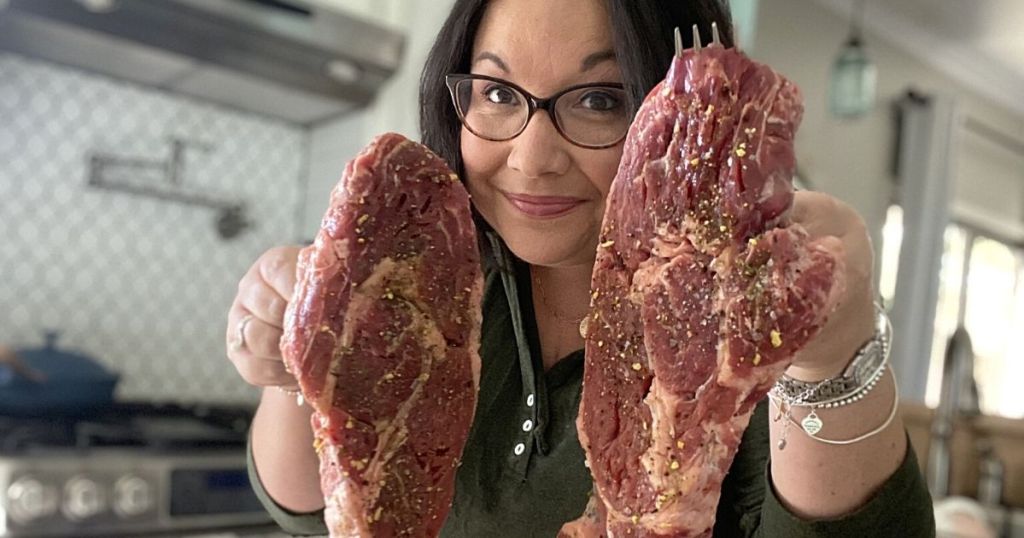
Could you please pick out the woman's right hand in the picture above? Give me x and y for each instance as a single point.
(256, 319)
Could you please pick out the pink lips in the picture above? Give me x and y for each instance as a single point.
(543, 206)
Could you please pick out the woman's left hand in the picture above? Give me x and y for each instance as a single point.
(853, 321)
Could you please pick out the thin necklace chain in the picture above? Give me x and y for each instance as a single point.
(554, 312)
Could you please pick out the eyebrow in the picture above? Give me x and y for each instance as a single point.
(592, 60)
(492, 57)
(587, 64)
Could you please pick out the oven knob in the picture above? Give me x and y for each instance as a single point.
(30, 499)
(132, 496)
(83, 498)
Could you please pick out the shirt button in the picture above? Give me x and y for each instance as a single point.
(519, 449)
(528, 425)
(529, 401)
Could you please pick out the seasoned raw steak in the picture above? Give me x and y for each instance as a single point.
(383, 335)
(702, 293)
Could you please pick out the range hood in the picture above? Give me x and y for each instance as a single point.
(289, 59)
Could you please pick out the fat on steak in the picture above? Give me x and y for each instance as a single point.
(702, 292)
(383, 336)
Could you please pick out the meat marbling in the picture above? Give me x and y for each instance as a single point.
(383, 336)
(702, 292)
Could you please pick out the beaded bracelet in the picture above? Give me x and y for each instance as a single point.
(857, 379)
(811, 424)
(299, 399)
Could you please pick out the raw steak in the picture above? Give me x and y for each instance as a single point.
(702, 293)
(383, 335)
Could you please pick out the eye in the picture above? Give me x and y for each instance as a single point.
(600, 101)
(500, 94)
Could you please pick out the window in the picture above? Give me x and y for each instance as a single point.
(992, 310)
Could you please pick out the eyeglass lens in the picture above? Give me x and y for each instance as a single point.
(588, 116)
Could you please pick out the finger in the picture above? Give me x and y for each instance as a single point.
(277, 269)
(264, 372)
(263, 302)
(253, 368)
(824, 216)
(231, 336)
(256, 338)
(820, 214)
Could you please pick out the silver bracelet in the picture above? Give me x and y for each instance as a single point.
(859, 377)
(812, 424)
(854, 397)
(859, 394)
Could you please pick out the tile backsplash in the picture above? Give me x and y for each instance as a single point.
(141, 283)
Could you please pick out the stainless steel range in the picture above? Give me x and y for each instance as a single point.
(129, 470)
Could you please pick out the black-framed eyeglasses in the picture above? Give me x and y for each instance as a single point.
(592, 116)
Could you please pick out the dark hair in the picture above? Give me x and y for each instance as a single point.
(643, 43)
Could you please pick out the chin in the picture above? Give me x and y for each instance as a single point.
(562, 242)
(552, 249)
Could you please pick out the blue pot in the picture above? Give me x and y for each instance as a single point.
(72, 383)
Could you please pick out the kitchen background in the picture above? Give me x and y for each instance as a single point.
(130, 279)
(138, 183)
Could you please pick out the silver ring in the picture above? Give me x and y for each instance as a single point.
(239, 341)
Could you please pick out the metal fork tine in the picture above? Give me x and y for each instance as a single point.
(679, 43)
(714, 34)
(696, 38)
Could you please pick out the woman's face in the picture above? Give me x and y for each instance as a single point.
(543, 47)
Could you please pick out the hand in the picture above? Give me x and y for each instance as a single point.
(263, 294)
(831, 221)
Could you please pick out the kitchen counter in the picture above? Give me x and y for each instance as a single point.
(1006, 435)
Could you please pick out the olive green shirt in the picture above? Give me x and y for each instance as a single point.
(522, 472)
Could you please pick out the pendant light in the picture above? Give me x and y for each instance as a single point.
(853, 81)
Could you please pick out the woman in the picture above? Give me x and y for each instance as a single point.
(518, 480)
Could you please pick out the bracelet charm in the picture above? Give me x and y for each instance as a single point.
(859, 378)
(811, 423)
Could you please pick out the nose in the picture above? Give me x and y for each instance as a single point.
(539, 150)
